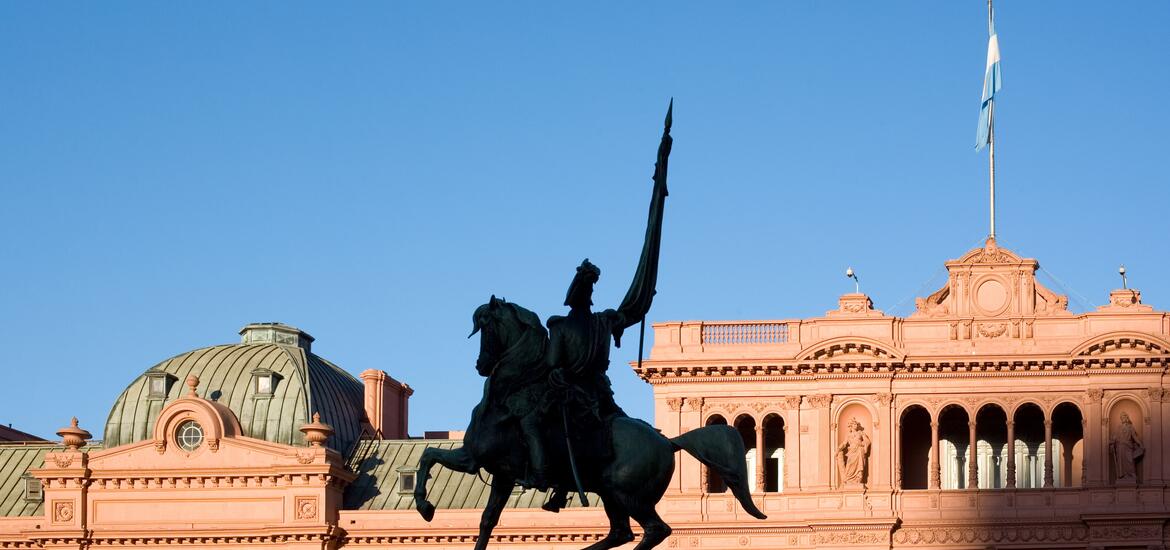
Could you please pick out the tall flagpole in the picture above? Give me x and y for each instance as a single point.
(991, 132)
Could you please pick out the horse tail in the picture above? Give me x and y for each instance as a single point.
(720, 448)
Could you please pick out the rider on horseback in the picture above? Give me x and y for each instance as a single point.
(628, 464)
(578, 352)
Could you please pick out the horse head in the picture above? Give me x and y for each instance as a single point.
(508, 333)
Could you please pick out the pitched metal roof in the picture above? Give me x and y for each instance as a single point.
(306, 384)
(16, 459)
(380, 463)
(8, 433)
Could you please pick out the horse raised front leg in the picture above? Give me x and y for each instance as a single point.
(501, 490)
(458, 460)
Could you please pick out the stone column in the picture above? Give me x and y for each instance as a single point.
(1011, 454)
(826, 436)
(1094, 448)
(760, 460)
(1154, 444)
(668, 419)
(895, 452)
(817, 459)
(935, 467)
(972, 457)
(1163, 411)
(882, 454)
(690, 471)
(792, 477)
(1048, 453)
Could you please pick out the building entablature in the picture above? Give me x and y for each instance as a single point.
(670, 372)
(991, 316)
(194, 480)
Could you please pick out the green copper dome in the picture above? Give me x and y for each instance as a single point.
(271, 380)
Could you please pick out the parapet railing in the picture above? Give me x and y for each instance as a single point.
(740, 332)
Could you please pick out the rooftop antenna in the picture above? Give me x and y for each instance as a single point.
(1121, 271)
(849, 274)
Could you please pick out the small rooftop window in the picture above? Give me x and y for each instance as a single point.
(158, 383)
(33, 490)
(406, 479)
(264, 382)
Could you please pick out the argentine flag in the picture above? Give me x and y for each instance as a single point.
(992, 81)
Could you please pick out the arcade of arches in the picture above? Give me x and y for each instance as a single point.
(991, 417)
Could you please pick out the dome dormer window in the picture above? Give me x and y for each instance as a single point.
(264, 382)
(158, 384)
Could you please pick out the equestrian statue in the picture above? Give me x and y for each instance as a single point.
(548, 419)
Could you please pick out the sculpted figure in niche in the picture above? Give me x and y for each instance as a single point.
(853, 455)
(1126, 447)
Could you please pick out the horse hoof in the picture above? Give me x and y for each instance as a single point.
(427, 511)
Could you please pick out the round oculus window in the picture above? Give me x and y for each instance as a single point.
(189, 436)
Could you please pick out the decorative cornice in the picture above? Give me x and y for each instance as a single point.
(469, 538)
(679, 372)
(965, 534)
(199, 480)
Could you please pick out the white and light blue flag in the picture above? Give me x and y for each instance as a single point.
(992, 82)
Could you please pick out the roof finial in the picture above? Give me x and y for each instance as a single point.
(316, 433)
(73, 437)
(192, 384)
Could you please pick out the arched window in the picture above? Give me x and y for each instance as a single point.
(746, 426)
(914, 448)
(954, 440)
(773, 453)
(1068, 432)
(714, 483)
(991, 447)
(1029, 428)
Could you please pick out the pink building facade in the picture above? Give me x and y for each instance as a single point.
(992, 417)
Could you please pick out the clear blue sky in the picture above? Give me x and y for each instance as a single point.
(173, 171)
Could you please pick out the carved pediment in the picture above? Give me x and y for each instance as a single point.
(992, 282)
(850, 348)
(991, 253)
(1123, 343)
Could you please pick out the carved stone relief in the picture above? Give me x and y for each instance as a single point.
(306, 507)
(62, 511)
(819, 401)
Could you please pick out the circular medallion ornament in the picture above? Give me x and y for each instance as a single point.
(189, 435)
(991, 297)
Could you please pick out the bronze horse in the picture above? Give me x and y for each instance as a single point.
(630, 482)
